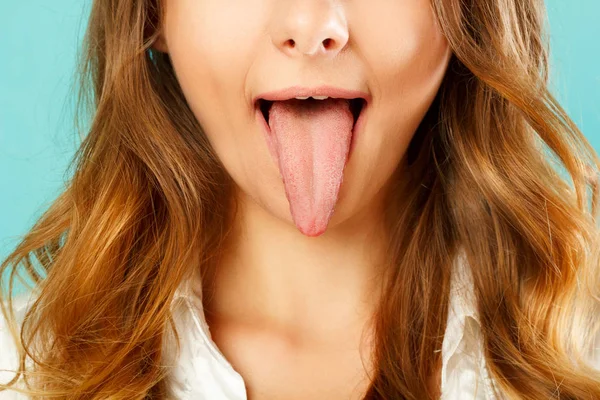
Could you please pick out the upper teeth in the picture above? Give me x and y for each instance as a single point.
(314, 97)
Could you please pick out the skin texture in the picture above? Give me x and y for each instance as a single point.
(289, 311)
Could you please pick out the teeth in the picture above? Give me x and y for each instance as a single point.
(314, 97)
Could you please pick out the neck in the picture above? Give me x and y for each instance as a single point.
(271, 274)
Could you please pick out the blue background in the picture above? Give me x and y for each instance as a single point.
(38, 44)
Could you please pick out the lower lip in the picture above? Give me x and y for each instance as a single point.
(358, 126)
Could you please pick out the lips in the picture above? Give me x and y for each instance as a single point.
(358, 106)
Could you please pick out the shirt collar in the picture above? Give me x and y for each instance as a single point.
(199, 349)
(462, 294)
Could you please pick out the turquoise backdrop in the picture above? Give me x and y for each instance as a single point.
(38, 44)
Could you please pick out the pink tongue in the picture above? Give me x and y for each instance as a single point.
(311, 140)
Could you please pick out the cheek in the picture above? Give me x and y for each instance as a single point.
(411, 88)
(211, 44)
(212, 41)
(203, 68)
(408, 56)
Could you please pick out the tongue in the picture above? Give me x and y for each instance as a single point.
(311, 140)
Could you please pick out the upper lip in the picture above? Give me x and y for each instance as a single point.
(298, 91)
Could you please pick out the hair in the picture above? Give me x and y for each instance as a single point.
(149, 204)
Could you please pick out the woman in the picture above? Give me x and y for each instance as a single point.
(401, 235)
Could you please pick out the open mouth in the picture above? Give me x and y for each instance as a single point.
(356, 107)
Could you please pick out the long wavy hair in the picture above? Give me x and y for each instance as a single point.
(496, 168)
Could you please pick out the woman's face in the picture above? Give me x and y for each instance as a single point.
(227, 52)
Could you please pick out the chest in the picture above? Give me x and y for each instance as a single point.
(275, 365)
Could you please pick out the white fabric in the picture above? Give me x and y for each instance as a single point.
(202, 373)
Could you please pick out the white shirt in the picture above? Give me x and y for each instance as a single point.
(202, 372)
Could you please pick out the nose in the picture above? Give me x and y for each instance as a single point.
(311, 28)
